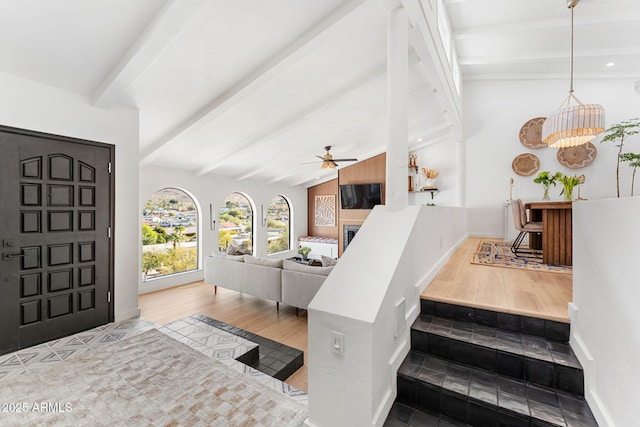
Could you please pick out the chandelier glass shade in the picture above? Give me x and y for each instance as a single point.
(573, 125)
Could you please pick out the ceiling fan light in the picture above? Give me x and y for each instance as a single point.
(573, 125)
(328, 165)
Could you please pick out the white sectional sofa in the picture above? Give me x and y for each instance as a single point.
(272, 279)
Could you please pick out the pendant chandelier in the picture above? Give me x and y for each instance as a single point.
(576, 124)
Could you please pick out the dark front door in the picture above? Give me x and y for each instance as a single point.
(55, 218)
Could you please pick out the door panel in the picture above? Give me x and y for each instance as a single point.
(55, 214)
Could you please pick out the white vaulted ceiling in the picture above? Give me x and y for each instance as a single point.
(254, 88)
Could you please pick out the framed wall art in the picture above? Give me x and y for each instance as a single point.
(325, 210)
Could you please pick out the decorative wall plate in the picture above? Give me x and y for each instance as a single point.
(531, 133)
(577, 157)
(525, 164)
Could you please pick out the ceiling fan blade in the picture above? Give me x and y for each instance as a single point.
(314, 162)
(345, 160)
(321, 158)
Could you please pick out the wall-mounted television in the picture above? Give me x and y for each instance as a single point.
(360, 196)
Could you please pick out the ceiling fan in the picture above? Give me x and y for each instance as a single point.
(328, 162)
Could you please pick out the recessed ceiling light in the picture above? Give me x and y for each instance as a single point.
(419, 139)
(610, 64)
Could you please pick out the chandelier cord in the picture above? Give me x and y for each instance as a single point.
(571, 62)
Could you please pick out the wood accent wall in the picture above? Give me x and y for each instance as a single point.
(368, 171)
(326, 188)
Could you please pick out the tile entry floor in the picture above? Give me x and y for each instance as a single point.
(213, 342)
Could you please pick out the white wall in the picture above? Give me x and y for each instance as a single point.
(391, 260)
(212, 189)
(34, 106)
(444, 157)
(605, 319)
(495, 111)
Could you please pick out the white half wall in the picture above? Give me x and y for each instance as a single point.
(605, 320)
(371, 298)
(212, 190)
(34, 106)
(494, 112)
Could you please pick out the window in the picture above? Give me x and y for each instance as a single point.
(235, 233)
(169, 234)
(278, 222)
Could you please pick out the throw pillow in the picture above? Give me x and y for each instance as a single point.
(276, 263)
(328, 261)
(238, 250)
(294, 266)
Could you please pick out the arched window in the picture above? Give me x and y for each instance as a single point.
(169, 234)
(235, 235)
(278, 225)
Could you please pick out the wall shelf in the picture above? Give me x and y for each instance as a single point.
(433, 191)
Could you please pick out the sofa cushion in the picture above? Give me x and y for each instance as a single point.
(294, 266)
(275, 263)
(238, 258)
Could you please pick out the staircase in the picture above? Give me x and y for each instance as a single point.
(476, 367)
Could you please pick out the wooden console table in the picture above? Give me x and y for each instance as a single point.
(556, 230)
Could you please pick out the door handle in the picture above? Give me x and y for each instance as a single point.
(9, 256)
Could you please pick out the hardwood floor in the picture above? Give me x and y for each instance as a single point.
(243, 311)
(532, 293)
(538, 294)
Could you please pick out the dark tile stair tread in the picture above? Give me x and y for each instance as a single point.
(486, 389)
(552, 329)
(519, 343)
(406, 416)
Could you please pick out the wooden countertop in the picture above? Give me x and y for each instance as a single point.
(548, 205)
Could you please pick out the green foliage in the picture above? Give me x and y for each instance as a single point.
(162, 237)
(634, 161)
(151, 261)
(281, 244)
(568, 184)
(546, 178)
(237, 213)
(224, 238)
(304, 250)
(170, 261)
(177, 237)
(618, 133)
(149, 237)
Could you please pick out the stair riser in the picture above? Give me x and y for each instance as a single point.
(432, 399)
(517, 366)
(557, 331)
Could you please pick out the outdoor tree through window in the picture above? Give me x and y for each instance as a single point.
(235, 233)
(169, 234)
(278, 220)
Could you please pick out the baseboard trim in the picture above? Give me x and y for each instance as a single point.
(126, 315)
(589, 366)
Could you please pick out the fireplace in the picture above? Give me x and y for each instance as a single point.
(348, 232)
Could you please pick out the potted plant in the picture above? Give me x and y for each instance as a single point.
(546, 179)
(618, 133)
(304, 251)
(634, 161)
(568, 183)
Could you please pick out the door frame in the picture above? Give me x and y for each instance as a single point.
(112, 195)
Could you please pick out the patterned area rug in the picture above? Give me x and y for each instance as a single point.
(498, 253)
(148, 379)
